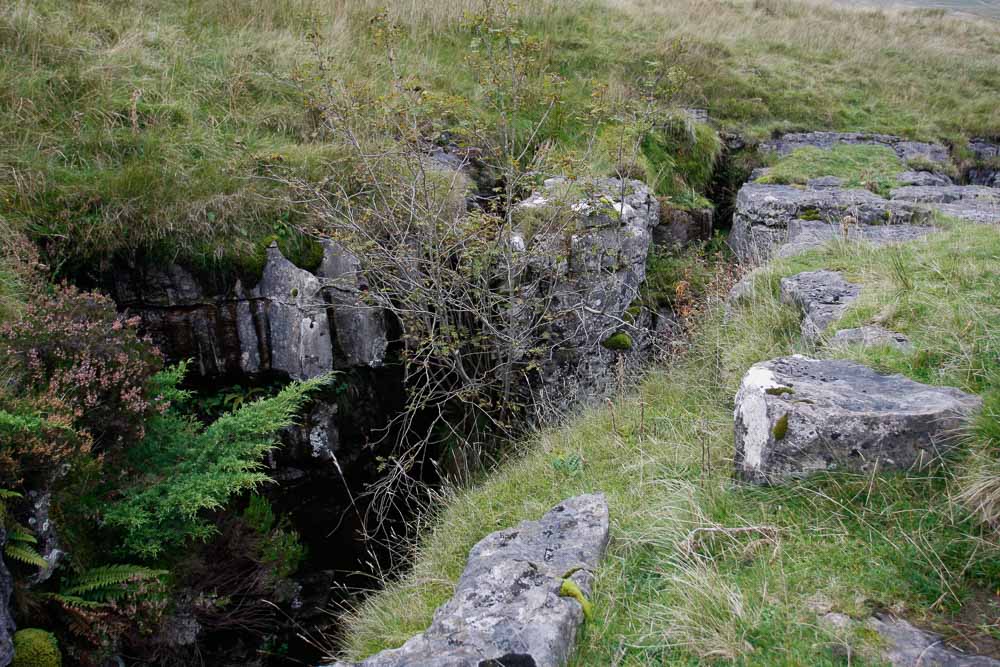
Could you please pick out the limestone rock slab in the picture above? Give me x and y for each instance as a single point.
(823, 296)
(507, 608)
(796, 415)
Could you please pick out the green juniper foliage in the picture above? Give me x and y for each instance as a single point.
(188, 469)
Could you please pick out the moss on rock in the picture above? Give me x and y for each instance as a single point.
(34, 647)
(619, 342)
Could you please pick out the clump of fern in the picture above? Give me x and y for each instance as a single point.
(20, 546)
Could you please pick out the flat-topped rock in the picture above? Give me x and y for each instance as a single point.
(796, 416)
(763, 213)
(870, 335)
(975, 203)
(507, 608)
(905, 149)
(905, 645)
(923, 178)
(822, 296)
(805, 235)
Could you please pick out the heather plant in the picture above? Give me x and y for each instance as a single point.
(77, 382)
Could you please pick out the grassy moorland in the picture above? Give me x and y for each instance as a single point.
(146, 125)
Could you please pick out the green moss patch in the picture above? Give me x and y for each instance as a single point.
(619, 342)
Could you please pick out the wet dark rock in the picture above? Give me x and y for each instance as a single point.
(986, 168)
(680, 227)
(906, 150)
(7, 626)
(822, 296)
(508, 608)
(764, 213)
(795, 416)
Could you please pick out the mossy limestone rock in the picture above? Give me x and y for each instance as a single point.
(795, 416)
(512, 605)
(6, 619)
(34, 647)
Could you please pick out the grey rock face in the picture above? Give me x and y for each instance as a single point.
(870, 336)
(292, 321)
(823, 296)
(7, 626)
(987, 156)
(825, 182)
(923, 178)
(975, 203)
(764, 212)
(360, 328)
(48, 545)
(909, 646)
(679, 227)
(294, 312)
(804, 235)
(595, 264)
(906, 150)
(507, 608)
(796, 415)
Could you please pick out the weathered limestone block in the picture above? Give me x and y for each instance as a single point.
(870, 336)
(804, 235)
(764, 212)
(295, 313)
(508, 608)
(907, 646)
(590, 240)
(906, 150)
(975, 203)
(923, 178)
(360, 329)
(823, 296)
(796, 415)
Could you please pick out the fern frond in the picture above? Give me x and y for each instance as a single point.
(7, 494)
(110, 582)
(18, 533)
(24, 553)
(74, 601)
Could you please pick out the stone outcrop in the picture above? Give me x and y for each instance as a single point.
(39, 504)
(7, 626)
(796, 415)
(764, 213)
(805, 235)
(975, 203)
(923, 178)
(513, 605)
(904, 645)
(906, 150)
(282, 324)
(823, 297)
(594, 261)
(986, 157)
(870, 336)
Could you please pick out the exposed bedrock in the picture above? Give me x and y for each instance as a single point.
(822, 296)
(512, 605)
(904, 645)
(765, 212)
(796, 416)
(975, 203)
(985, 169)
(906, 150)
(593, 265)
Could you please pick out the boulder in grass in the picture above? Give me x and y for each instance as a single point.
(521, 598)
(795, 416)
(823, 296)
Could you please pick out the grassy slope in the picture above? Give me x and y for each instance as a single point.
(663, 454)
(149, 124)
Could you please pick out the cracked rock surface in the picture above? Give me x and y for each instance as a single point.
(796, 415)
(823, 296)
(507, 608)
